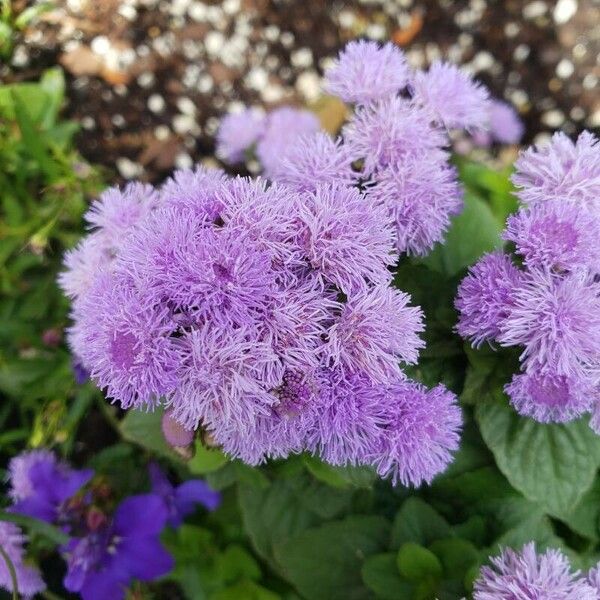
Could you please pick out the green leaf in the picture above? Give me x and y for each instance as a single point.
(417, 563)
(206, 460)
(456, 555)
(326, 562)
(553, 465)
(286, 507)
(472, 233)
(380, 574)
(340, 477)
(36, 526)
(417, 522)
(245, 590)
(236, 563)
(584, 517)
(144, 429)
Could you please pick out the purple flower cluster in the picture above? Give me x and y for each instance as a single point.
(527, 575)
(105, 551)
(550, 304)
(395, 144)
(262, 312)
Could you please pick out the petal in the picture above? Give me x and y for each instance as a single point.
(160, 484)
(193, 492)
(104, 585)
(144, 558)
(139, 516)
(37, 507)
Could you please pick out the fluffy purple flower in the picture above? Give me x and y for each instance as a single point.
(350, 417)
(102, 563)
(561, 170)
(346, 239)
(316, 159)
(41, 485)
(556, 235)
(365, 71)
(454, 98)
(593, 577)
(419, 433)
(284, 428)
(83, 263)
(485, 297)
(557, 320)
(237, 133)
(527, 575)
(224, 379)
(29, 580)
(421, 192)
(126, 342)
(181, 501)
(505, 126)
(117, 211)
(375, 330)
(194, 191)
(549, 398)
(282, 129)
(382, 132)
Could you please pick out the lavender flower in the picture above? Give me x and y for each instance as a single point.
(557, 320)
(125, 342)
(455, 100)
(548, 398)
(175, 434)
(375, 330)
(382, 132)
(116, 212)
(485, 297)
(194, 190)
(561, 170)
(348, 240)
(421, 193)
(556, 235)
(350, 417)
(237, 133)
(29, 580)
(420, 431)
(181, 501)
(365, 71)
(316, 159)
(41, 485)
(593, 577)
(530, 576)
(282, 129)
(224, 379)
(505, 126)
(101, 564)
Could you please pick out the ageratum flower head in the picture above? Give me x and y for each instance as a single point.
(527, 575)
(556, 235)
(237, 133)
(366, 71)
(251, 308)
(505, 126)
(29, 580)
(561, 170)
(454, 99)
(421, 192)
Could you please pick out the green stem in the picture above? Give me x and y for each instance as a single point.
(48, 531)
(50, 595)
(11, 570)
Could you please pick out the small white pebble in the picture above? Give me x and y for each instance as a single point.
(565, 68)
(162, 132)
(308, 85)
(346, 19)
(271, 33)
(590, 81)
(553, 118)
(20, 57)
(118, 120)
(536, 9)
(146, 79)
(128, 168)
(185, 124)
(521, 52)
(156, 103)
(100, 45)
(594, 119)
(541, 139)
(205, 83)
(301, 58)
(287, 39)
(376, 31)
(213, 42)
(564, 10)
(183, 161)
(483, 61)
(197, 12)
(519, 98)
(511, 30)
(128, 12)
(272, 92)
(88, 123)
(257, 78)
(577, 113)
(231, 7)
(186, 106)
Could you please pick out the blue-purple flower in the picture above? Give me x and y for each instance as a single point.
(101, 563)
(237, 133)
(41, 485)
(182, 500)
